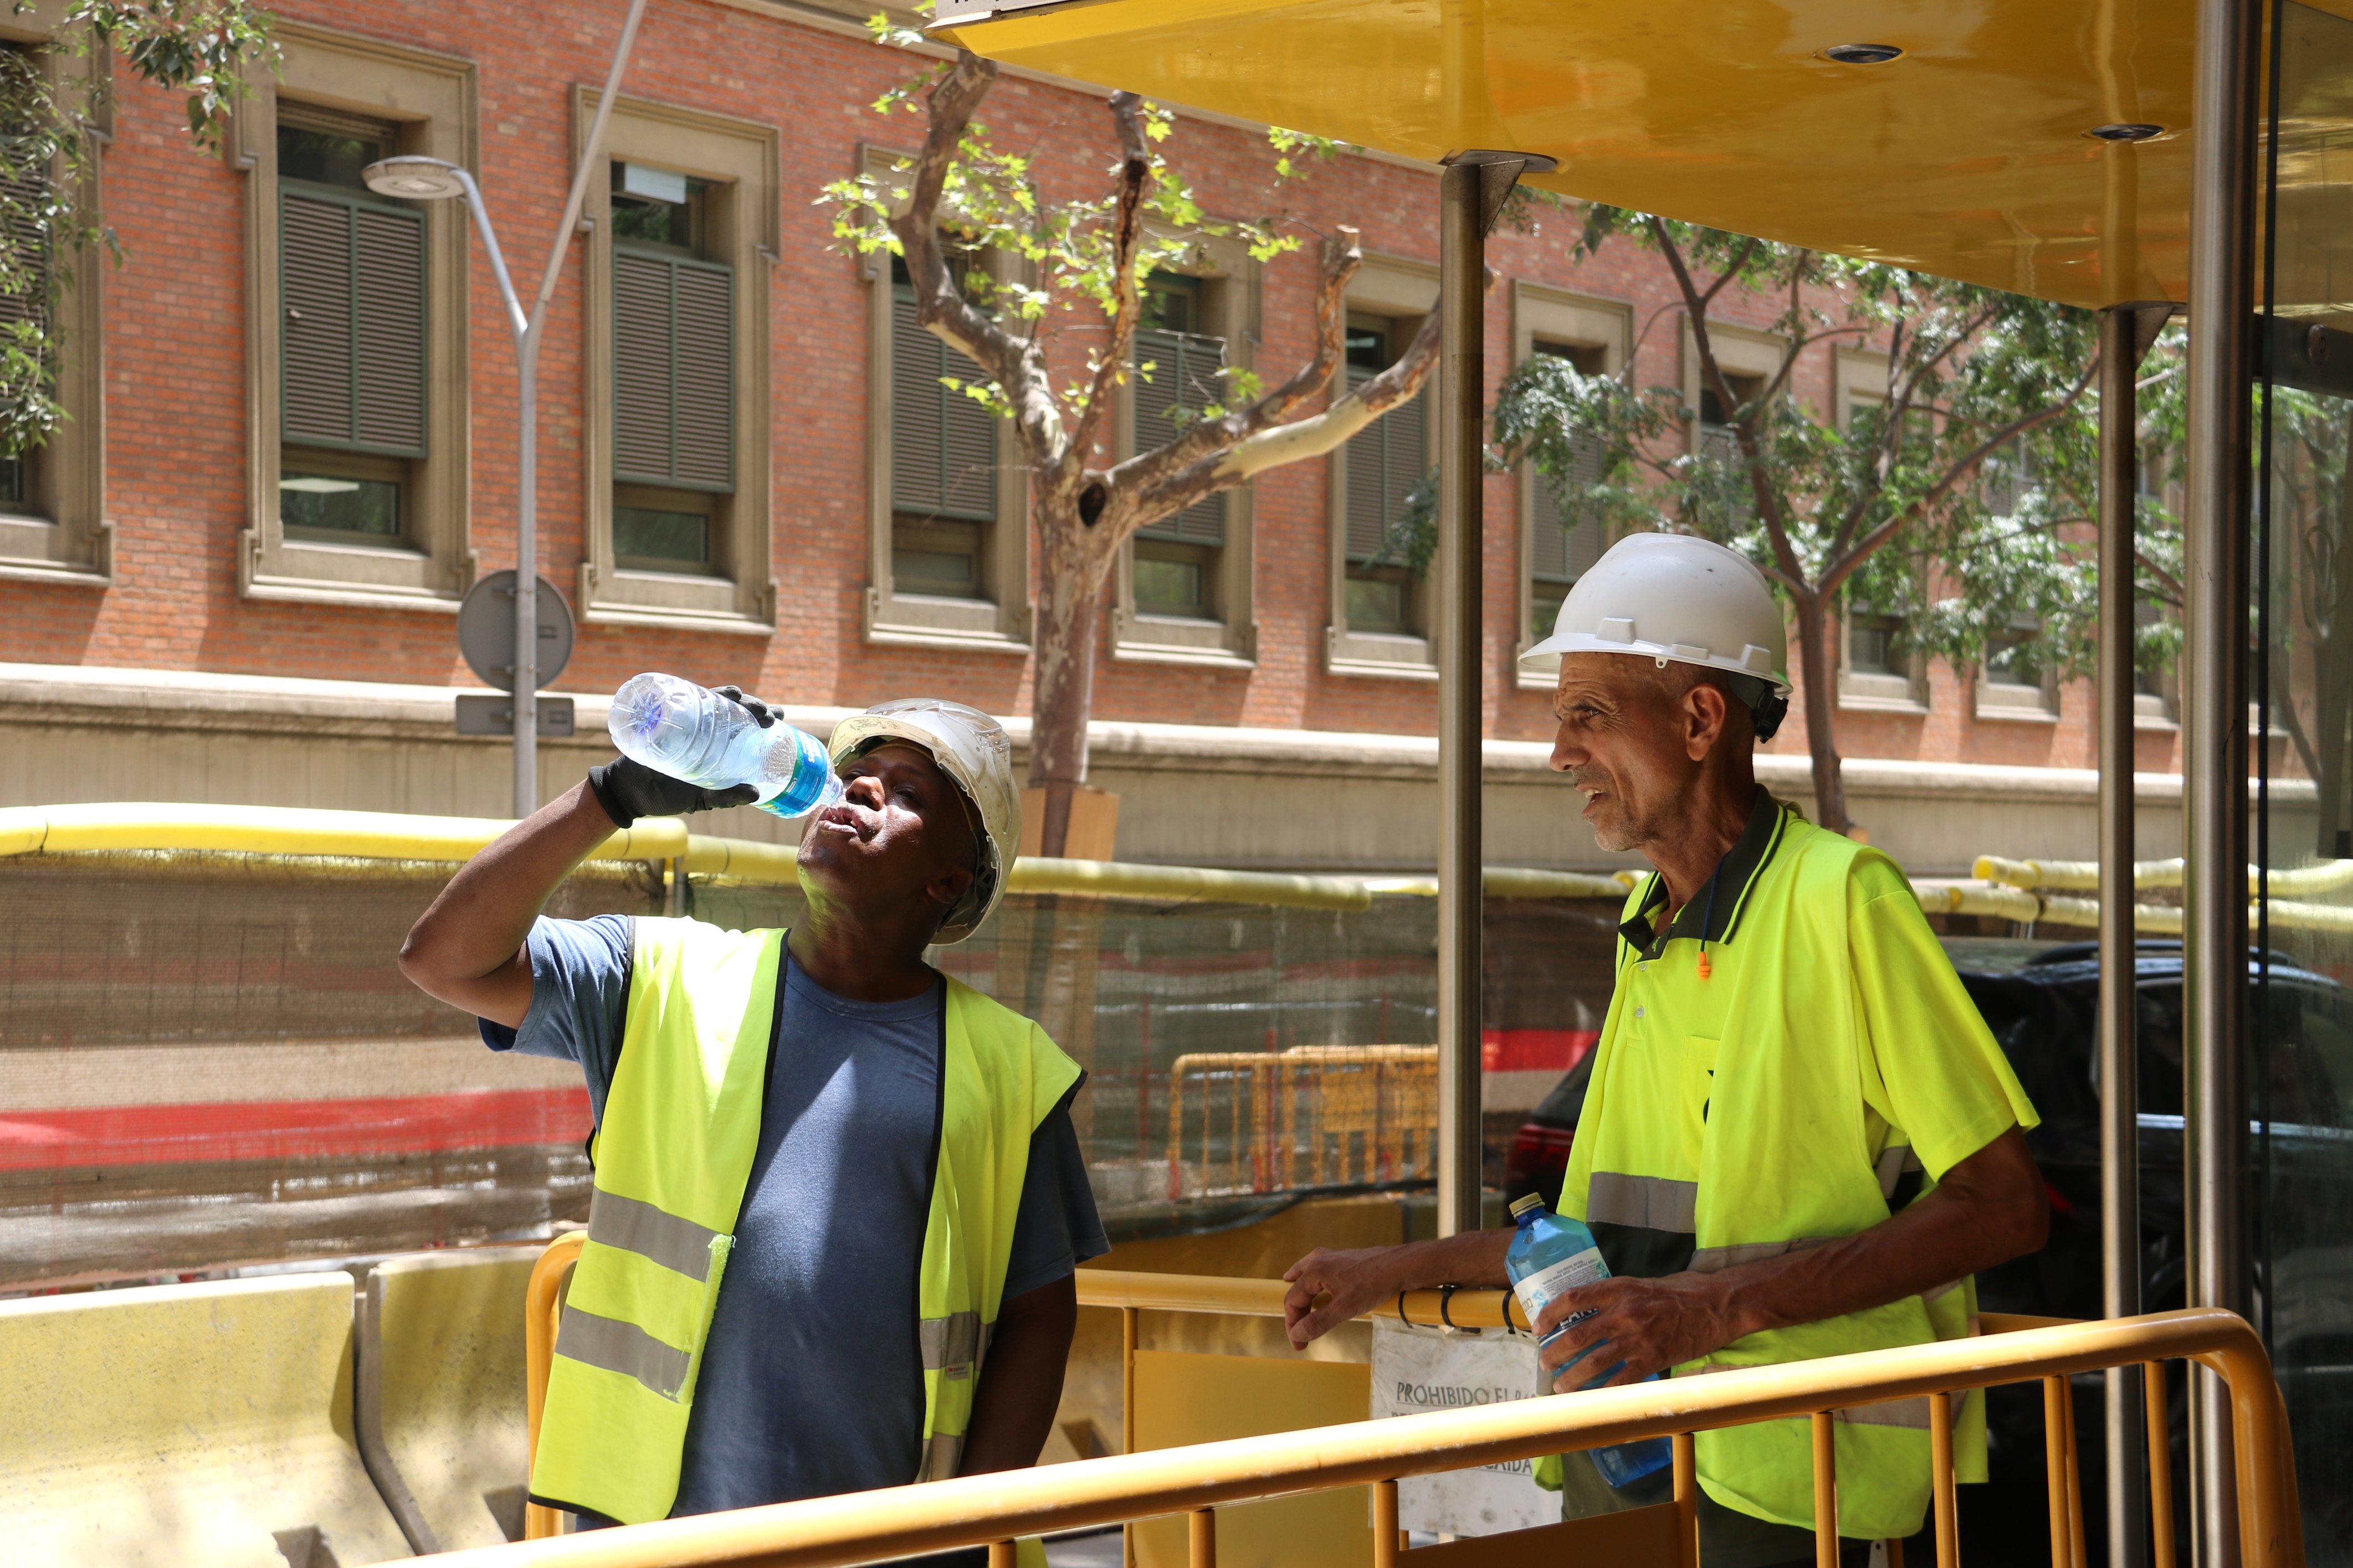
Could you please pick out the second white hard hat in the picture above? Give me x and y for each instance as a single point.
(1677, 598)
(973, 751)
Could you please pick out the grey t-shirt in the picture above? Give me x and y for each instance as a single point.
(815, 1325)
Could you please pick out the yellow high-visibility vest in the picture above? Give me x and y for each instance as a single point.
(1786, 1159)
(674, 1158)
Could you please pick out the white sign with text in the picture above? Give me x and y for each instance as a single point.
(1420, 1369)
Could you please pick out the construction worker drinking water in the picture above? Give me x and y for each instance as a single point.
(838, 1197)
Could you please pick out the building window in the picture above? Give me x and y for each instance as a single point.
(1718, 440)
(1561, 550)
(673, 374)
(2018, 681)
(943, 456)
(1384, 462)
(352, 372)
(359, 420)
(53, 526)
(1379, 609)
(1176, 560)
(685, 223)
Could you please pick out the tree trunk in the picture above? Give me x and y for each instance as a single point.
(1816, 673)
(1070, 586)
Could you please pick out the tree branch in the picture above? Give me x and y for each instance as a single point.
(1127, 301)
(1166, 476)
(1017, 366)
(1787, 566)
(1840, 567)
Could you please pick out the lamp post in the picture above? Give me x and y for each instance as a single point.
(420, 179)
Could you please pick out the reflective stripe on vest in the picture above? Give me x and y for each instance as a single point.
(674, 1156)
(1785, 1164)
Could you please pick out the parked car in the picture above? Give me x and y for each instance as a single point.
(2043, 1007)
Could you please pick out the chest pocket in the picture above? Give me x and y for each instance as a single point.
(1699, 1080)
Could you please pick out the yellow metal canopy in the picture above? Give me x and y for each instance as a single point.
(1967, 156)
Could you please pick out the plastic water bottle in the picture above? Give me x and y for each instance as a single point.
(691, 733)
(1551, 1253)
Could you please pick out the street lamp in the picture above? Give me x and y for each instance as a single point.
(419, 178)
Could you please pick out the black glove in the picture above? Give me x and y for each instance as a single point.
(628, 790)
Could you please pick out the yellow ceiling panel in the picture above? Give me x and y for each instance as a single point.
(1966, 157)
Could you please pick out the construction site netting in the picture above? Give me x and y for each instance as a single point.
(209, 1059)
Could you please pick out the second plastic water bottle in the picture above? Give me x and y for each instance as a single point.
(1550, 1254)
(689, 732)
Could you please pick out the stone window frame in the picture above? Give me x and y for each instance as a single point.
(1739, 351)
(1862, 378)
(64, 535)
(1394, 285)
(1232, 305)
(1540, 310)
(1001, 623)
(432, 99)
(742, 161)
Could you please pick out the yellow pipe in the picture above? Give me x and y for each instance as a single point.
(973, 1511)
(287, 830)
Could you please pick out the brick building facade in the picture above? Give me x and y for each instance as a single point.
(201, 618)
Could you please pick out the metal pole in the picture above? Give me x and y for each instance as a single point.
(1471, 192)
(2121, 340)
(1462, 393)
(2214, 731)
(526, 673)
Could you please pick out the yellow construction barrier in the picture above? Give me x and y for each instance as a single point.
(1312, 1115)
(1201, 1480)
(186, 1424)
(441, 1393)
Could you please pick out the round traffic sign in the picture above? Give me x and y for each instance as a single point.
(486, 631)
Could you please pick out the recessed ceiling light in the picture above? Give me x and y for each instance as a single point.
(2128, 132)
(1861, 54)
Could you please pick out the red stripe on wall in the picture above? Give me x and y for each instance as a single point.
(290, 1129)
(1533, 1050)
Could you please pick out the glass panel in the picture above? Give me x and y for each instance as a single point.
(2301, 1076)
(937, 558)
(1171, 579)
(337, 503)
(665, 541)
(1377, 600)
(327, 157)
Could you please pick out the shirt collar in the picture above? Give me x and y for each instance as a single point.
(1734, 875)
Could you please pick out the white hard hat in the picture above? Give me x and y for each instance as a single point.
(1674, 596)
(972, 749)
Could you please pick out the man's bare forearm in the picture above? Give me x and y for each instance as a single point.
(1987, 1211)
(1021, 1382)
(466, 949)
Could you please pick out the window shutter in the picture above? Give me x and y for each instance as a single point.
(388, 330)
(1185, 374)
(641, 366)
(673, 372)
(942, 443)
(705, 376)
(29, 242)
(1386, 460)
(352, 281)
(1563, 551)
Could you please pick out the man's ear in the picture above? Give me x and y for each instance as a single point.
(948, 889)
(1706, 714)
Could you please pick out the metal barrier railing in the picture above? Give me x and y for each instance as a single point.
(1327, 1113)
(995, 1510)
